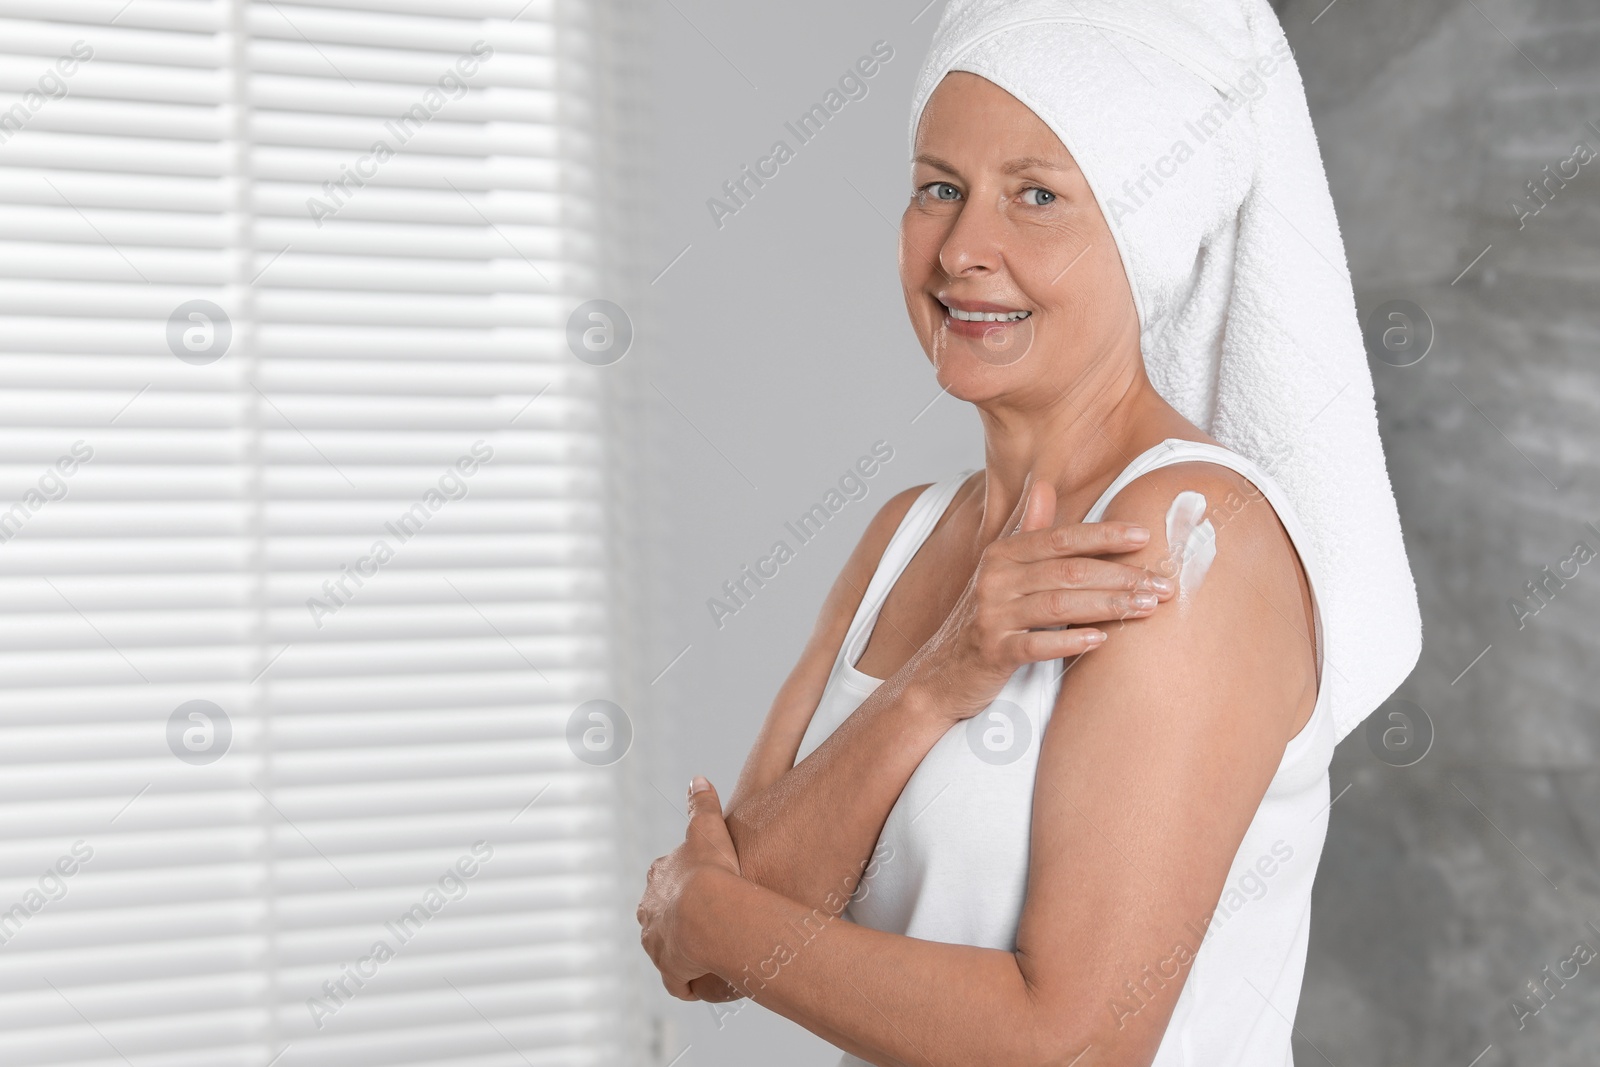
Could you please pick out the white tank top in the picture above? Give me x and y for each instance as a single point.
(951, 864)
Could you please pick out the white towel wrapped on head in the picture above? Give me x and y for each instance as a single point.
(1189, 119)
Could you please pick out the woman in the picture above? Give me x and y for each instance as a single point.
(1132, 884)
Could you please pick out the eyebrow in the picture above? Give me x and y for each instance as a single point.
(1029, 162)
(1014, 166)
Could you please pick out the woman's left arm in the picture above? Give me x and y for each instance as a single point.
(1159, 751)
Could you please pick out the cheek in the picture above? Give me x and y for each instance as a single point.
(920, 238)
(918, 314)
(919, 262)
(1081, 276)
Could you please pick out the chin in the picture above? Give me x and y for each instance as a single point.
(966, 377)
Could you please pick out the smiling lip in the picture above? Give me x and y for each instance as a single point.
(982, 327)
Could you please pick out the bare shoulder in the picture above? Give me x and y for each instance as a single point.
(1242, 614)
(1241, 516)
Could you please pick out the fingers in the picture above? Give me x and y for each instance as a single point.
(703, 799)
(1077, 539)
(713, 989)
(706, 824)
(1037, 508)
(1018, 513)
(1040, 645)
(1060, 607)
(1090, 573)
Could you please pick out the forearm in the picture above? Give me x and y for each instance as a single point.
(810, 832)
(888, 999)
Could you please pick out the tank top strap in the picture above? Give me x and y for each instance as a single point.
(1177, 450)
(914, 529)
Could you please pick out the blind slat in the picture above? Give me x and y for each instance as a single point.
(396, 749)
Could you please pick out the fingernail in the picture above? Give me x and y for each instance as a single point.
(1095, 637)
(698, 784)
(1138, 534)
(1157, 583)
(1144, 600)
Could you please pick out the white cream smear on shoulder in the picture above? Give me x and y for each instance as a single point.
(1191, 542)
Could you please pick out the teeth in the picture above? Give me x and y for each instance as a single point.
(987, 316)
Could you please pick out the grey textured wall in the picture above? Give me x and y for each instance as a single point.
(1448, 885)
(782, 353)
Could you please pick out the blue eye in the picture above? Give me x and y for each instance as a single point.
(1045, 196)
(938, 186)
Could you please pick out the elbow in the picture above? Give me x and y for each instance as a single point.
(1051, 1049)
(1060, 1031)
(1079, 1048)
(1050, 1044)
(1051, 1034)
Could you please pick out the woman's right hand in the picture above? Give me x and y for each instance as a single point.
(1039, 575)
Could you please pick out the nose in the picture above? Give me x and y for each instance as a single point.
(975, 240)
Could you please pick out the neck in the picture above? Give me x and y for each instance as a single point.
(1077, 440)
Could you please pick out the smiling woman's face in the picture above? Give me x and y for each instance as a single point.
(1002, 224)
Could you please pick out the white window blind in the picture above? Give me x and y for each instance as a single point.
(191, 515)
